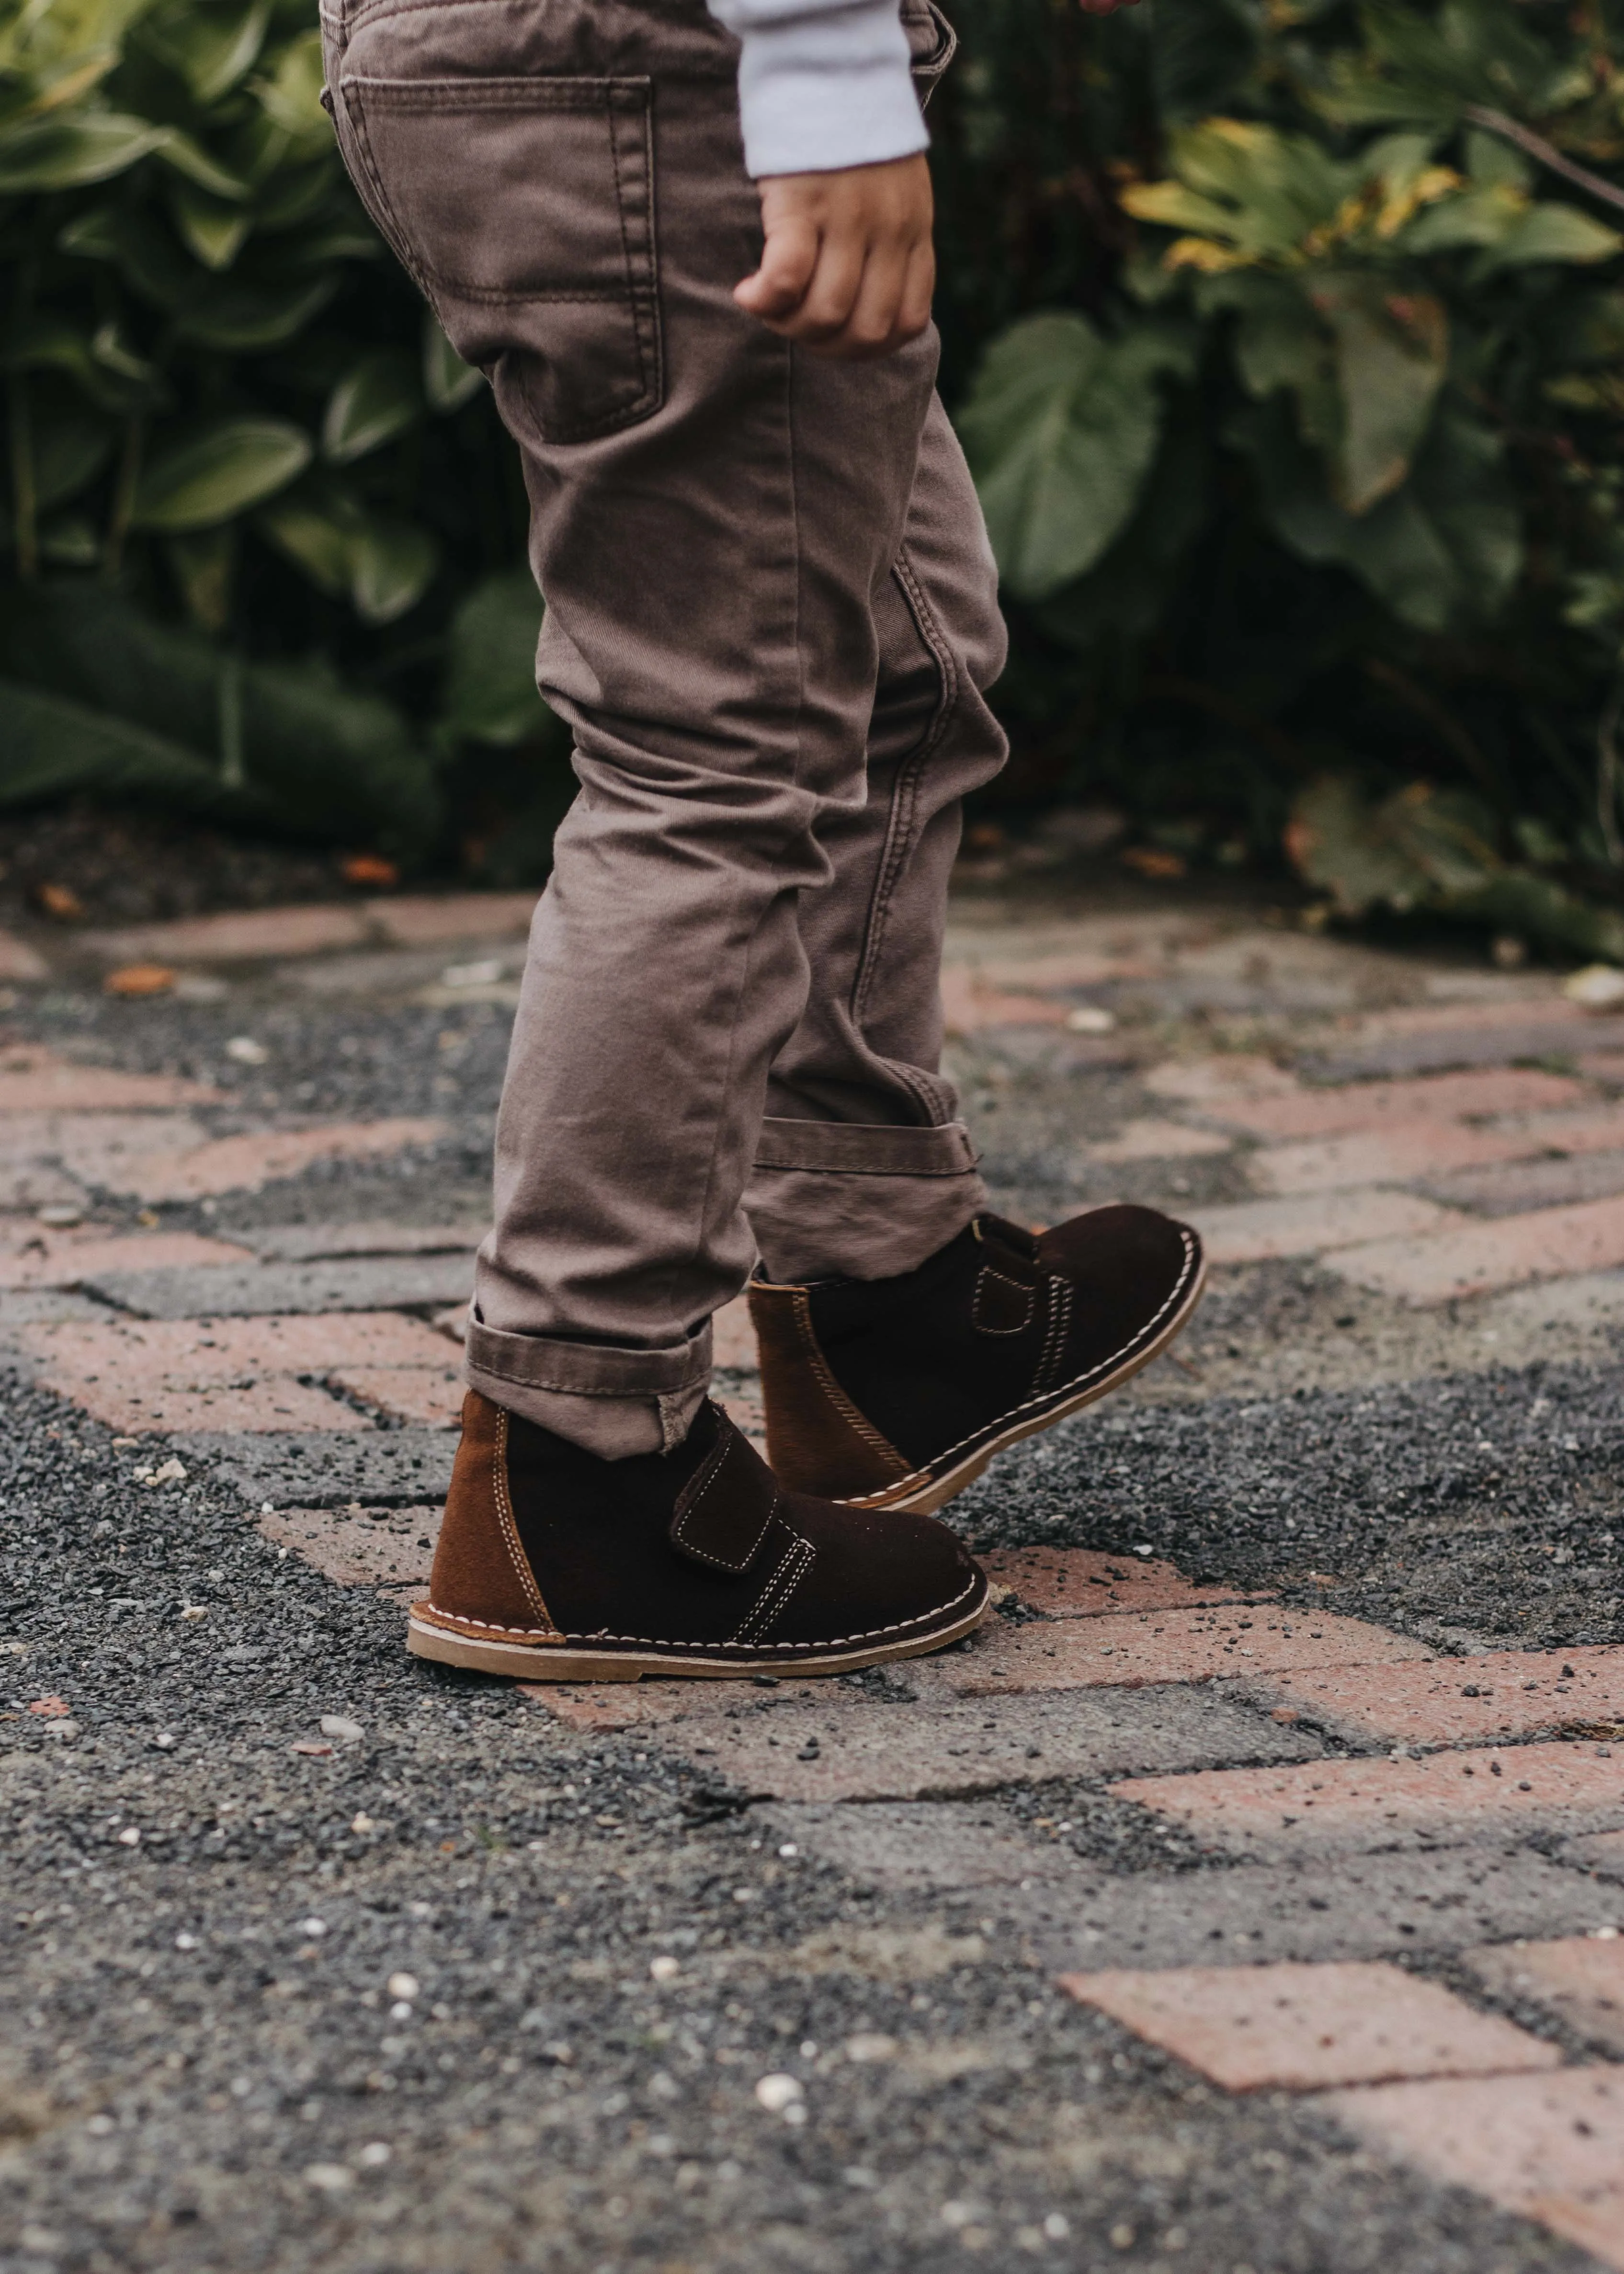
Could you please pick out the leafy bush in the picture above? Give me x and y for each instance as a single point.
(1287, 338)
(1306, 482)
(258, 514)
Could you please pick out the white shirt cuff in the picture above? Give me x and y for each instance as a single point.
(823, 87)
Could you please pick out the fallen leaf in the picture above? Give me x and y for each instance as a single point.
(140, 979)
(369, 868)
(58, 900)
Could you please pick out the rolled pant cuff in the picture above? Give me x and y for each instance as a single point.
(611, 1401)
(846, 1200)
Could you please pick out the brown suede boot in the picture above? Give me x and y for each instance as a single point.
(896, 1393)
(557, 1566)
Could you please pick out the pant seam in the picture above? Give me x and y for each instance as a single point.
(901, 833)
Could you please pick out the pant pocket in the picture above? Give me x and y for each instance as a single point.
(524, 207)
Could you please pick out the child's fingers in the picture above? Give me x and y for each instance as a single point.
(871, 326)
(829, 299)
(788, 263)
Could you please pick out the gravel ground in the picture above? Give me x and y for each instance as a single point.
(209, 2058)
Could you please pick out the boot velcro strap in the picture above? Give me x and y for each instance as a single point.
(727, 1506)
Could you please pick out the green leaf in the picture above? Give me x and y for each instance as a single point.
(312, 537)
(245, 316)
(212, 47)
(447, 381)
(67, 153)
(291, 95)
(1553, 232)
(1392, 354)
(490, 689)
(57, 748)
(1061, 429)
(392, 566)
(320, 760)
(214, 473)
(212, 231)
(382, 565)
(189, 157)
(378, 398)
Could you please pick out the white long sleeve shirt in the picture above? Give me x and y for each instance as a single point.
(822, 84)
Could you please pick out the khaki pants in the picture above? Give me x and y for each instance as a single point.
(771, 612)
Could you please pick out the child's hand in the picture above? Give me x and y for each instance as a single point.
(848, 267)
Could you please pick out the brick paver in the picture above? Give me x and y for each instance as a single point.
(365, 1282)
(1516, 1187)
(1394, 1156)
(1441, 1266)
(1549, 2147)
(1159, 1141)
(1252, 1231)
(1157, 1646)
(320, 1243)
(434, 920)
(971, 1002)
(1572, 1786)
(248, 935)
(39, 1081)
(432, 1397)
(1221, 1080)
(388, 1547)
(1079, 1583)
(1463, 1046)
(837, 1745)
(1602, 1853)
(248, 1163)
(1377, 1104)
(226, 1374)
(1336, 1905)
(1580, 1978)
(1306, 2026)
(100, 1148)
(1506, 1694)
(31, 1255)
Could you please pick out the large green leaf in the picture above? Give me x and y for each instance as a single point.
(1392, 354)
(66, 153)
(393, 565)
(489, 692)
(240, 315)
(1061, 428)
(447, 381)
(1553, 232)
(319, 759)
(218, 471)
(213, 45)
(214, 231)
(56, 747)
(380, 563)
(377, 398)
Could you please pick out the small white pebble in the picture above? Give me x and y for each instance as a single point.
(194, 1610)
(789, 1850)
(1056, 2226)
(401, 2011)
(778, 2093)
(362, 1823)
(185, 1942)
(130, 1837)
(1091, 1018)
(870, 2046)
(331, 2179)
(163, 1741)
(375, 2155)
(247, 1052)
(312, 1927)
(339, 1727)
(665, 1968)
(403, 1985)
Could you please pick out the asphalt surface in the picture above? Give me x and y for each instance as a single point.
(207, 2059)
